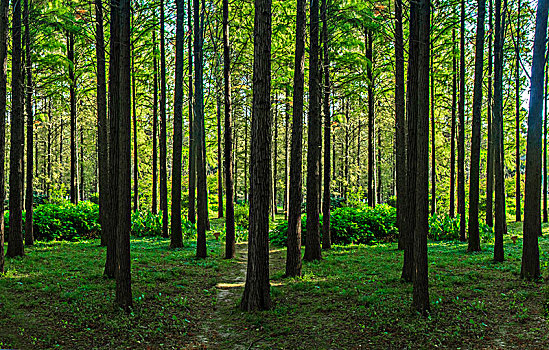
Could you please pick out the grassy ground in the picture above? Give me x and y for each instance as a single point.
(57, 297)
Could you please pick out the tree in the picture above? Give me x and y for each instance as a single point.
(154, 203)
(453, 131)
(490, 142)
(400, 120)
(192, 150)
(326, 235)
(123, 228)
(517, 118)
(228, 135)
(4, 9)
(545, 213)
(293, 256)
(72, 89)
(461, 130)
(177, 235)
(199, 137)
(530, 268)
(497, 132)
(314, 146)
(102, 127)
(371, 121)
(257, 289)
(474, 236)
(163, 146)
(29, 237)
(15, 246)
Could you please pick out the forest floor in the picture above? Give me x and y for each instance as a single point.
(57, 297)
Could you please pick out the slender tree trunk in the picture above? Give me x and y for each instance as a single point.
(123, 270)
(192, 150)
(500, 224)
(29, 237)
(490, 151)
(545, 147)
(286, 153)
(326, 234)
(275, 160)
(371, 121)
(433, 145)
(257, 290)
(400, 121)
(163, 146)
(102, 127)
(219, 155)
(474, 236)
(293, 256)
(4, 10)
(202, 195)
(72, 89)
(15, 246)
(82, 178)
(453, 131)
(530, 268)
(518, 213)
(246, 152)
(461, 130)
(155, 128)
(229, 176)
(176, 238)
(134, 119)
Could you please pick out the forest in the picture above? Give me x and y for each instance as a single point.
(274, 174)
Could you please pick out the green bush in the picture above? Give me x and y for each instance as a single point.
(146, 224)
(242, 216)
(443, 227)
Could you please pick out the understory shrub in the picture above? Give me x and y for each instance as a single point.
(443, 227)
(241, 216)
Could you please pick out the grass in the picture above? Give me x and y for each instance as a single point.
(57, 297)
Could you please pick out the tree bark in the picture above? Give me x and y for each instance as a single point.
(518, 214)
(545, 146)
(134, 134)
(15, 246)
(326, 234)
(371, 121)
(72, 89)
(163, 146)
(490, 151)
(29, 237)
(400, 122)
(4, 10)
(433, 134)
(293, 256)
(530, 268)
(453, 128)
(230, 247)
(176, 237)
(219, 143)
(500, 224)
(257, 289)
(155, 129)
(461, 129)
(192, 150)
(314, 146)
(474, 236)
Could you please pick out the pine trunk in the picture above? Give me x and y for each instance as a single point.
(163, 141)
(461, 130)
(29, 237)
(326, 234)
(4, 10)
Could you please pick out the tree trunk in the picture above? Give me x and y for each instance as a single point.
(400, 122)
(72, 89)
(453, 131)
(501, 224)
(420, 300)
(29, 237)
(230, 248)
(433, 145)
(202, 195)
(219, 142)
(4, 10)
(256, 291)
(474, 236)
(176, 237)
(275, 160)
(192, 150)
(371, 121)
(326, 234)
(544, 147)
(518, 213)
(490, 151)
(155, 129)
(530, 268)
(461, 130)
(314, 146)
(15, 246)
(293, 256)
(163, 146)
(123, 228)
(134, 119)
(286, 153)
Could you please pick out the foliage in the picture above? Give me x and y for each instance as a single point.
(392, 201)
(443, 227)
(241, 216)
(146, 224)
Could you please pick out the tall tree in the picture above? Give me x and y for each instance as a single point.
(314, 146)
(219, 155)
(199, 134)
(326, 235)
(293, 256)
(155, 127)
(102, 127)
(490, 142)
(400, 120)
(72, 90)
(545, 216)
(176, 233)
(163, 146)
(518, 213)
(497, 123)
(15, 246)
(530, 268)
(474, 236)
(134, 134)
(123, 261)
(29, 237)
(461, 129)
(192, 151)
(420, 299)
(453, 128)
(4, 9)
(371, 121)
(230, 248)
(257, 289)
